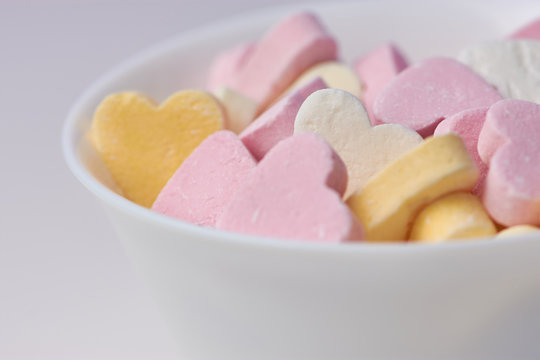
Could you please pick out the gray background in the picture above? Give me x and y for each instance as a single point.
(66, 289)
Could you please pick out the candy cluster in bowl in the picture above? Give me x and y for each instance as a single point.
(245, 294)
(290, 142)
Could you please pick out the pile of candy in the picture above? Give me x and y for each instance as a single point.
(288, 142)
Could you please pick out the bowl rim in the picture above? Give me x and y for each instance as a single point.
(71, 138)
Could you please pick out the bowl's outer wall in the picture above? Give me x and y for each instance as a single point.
(231, 301)
(226, 299)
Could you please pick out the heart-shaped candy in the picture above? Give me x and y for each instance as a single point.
(454, 216)
(286, 51)
(205, 182)
(336, 75)
(240, 109)
(340, 118)
(143, 144)
(227, 65)
(512, 66)
(517, 230)
(468, 124)
(376, 69)
(294, 193)
(277, 123)
(424, 94)
(509, 144)
(529, 31)
(392, 198)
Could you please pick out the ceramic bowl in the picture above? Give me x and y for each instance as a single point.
(231, 296)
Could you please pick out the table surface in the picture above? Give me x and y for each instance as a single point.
(67, 291)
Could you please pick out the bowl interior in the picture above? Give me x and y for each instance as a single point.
(420, 29)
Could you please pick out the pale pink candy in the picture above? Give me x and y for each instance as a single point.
(294, 193)
(376, 69)
(277, 123)
(286, 51)
(424, 94)
(468, 124)
(509, 144)
(226, 65)
(206, 180)
(529, 31)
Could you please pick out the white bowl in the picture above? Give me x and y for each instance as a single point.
(230, 296)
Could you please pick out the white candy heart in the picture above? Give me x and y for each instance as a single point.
(512, 66)
(240, 109)
(341, 119)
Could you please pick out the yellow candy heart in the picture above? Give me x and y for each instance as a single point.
(143, 144)
(391, 199)
(335, 74)
(454, 216)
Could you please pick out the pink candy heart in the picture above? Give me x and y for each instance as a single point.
(226, 66)
(529, 31)
(424, 94)
(509, 144)
(286, 51)
(206, 180)
(468, 124)
(376, 69)
(277, 123)
(294, 193)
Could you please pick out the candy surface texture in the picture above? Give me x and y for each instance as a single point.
(517, 230)
(389, 202)
(286, 51)
(513, 67)
(509, 144)
(468, 124)
(206, 181)
(240, 109)
(143, 144)
(294, 193)
(340, 118)
(335, 75)
(424, 94)
(454, 216)
(376, 69)
(227, 65)
(277, 123)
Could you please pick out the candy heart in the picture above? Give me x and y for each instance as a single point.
(468, 124)
(291, 47)
(205, 182)
(240, 109)
(227, 65)
(509, 144)
(529, 31)
(391, 199)
(340, 118)
(277, 123)
(517, 230)
(294, 193)
(143, 144)
(335, 75)
(424, 94)
(513, 67)
(376, 69)
(454, 216)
